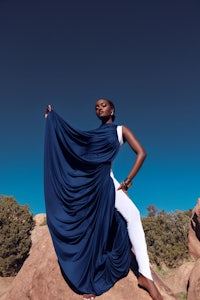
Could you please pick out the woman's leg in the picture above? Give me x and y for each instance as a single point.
(135, 230)
(137, 237)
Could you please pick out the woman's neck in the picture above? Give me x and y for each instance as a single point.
(106, 121)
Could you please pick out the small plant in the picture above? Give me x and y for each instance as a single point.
(16, 223)
(166, 236)
(44, 222)
(181, 296)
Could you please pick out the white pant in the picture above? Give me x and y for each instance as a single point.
(135, 230)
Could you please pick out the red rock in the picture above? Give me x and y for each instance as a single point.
(194, 283)
(194, 233)
(179, 277)
(40, 278)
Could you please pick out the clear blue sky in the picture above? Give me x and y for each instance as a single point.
(142, 55)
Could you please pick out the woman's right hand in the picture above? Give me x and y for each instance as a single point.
(48, 109)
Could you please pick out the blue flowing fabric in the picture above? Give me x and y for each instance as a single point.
(89, 236)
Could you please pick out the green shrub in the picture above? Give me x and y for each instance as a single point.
(44, 223)
(166, 236)
(16, 223)
(182, 296)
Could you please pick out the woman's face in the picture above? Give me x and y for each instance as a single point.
(104, 111)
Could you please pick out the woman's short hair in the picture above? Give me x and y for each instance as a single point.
(112, 106)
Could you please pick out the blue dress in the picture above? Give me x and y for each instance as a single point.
(89, 236)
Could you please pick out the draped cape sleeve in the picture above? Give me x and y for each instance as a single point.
(89, 236)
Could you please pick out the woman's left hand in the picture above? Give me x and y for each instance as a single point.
(48, 109)
(122, 187)
(125, 185)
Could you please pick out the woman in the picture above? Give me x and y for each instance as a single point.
(92, 221)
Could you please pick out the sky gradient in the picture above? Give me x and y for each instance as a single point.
(142, 55)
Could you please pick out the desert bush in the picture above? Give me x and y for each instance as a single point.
(44, 223)
(16, 223)
(166, 236)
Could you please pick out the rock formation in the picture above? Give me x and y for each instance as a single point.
(194, 250)
(194, 282)
(5, 284)
(194, 232)
(40, 278)
(178, 278)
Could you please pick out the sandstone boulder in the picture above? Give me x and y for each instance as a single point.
(40, 278)
(5, 284)
(194, 232)
(178, 279)
(194, 283)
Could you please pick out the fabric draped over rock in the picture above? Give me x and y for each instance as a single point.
(89, 236)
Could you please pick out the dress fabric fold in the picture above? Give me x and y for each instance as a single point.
(89, 236)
